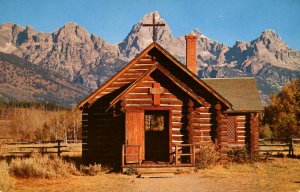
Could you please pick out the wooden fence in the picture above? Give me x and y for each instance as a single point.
(44, 147)
(269, 146)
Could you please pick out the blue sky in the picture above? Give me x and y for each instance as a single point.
(225, 21)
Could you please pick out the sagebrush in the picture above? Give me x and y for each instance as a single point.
(241, 155)
(207, 156)
(92, 169)
(41, 166)
(6, 182)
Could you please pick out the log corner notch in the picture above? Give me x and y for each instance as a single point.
(222, 134)
(254, 134)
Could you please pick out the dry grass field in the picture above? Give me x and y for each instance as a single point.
(276, 174)
(280, 174)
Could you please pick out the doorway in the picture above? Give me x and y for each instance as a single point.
(157, 135)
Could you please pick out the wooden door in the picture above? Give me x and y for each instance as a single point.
(157, 135)
(134, 135)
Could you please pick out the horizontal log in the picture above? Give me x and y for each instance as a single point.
(145, 61)
(145, 84)
(202, 125)
(201, 130)
(202, 109)
(177, 120)
(131, 76)
(177, 139)
(178, 126)
(205, 129)
(125, 79)
(240, 134)
(140, 90)
(201, 115)
(150, 96)
(202, 134)
(137, 106)
(204, 121)
(139, 69)
(178, 117)
(178, 132)
(139, 101)
(177, 113)
(147, 57)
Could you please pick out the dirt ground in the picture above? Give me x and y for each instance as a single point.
(275, 175)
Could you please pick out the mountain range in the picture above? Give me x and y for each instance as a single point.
(64, 66)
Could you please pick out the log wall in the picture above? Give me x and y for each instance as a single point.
(202, 125)
(139, 98)
(102, 135)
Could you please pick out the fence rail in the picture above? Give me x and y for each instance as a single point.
(179, 155)
(274, 147)
(44, 147)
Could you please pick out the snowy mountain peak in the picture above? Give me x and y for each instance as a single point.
(141, 36)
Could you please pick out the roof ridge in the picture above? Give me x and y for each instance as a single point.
(227, 78)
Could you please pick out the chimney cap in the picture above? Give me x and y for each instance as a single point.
(190, 36)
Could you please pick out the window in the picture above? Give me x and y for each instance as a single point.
(232, 125)
(154, 122)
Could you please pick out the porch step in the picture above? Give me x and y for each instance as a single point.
(158, 170)
(157, 175)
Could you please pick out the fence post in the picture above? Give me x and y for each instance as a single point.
(140, 153)
(291, 148)
(123, 155)
(194, 154)
(176, 154)
(58, 148)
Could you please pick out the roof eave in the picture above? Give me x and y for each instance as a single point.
(116, 75)
(243, 111)
(196, 78)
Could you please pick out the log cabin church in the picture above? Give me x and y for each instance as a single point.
(156, 112)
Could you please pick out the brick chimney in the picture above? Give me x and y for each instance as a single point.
(191, 63)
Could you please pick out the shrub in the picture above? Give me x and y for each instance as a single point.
(265, 132)
(241, 155)
(91, 169)
(207, 156)
(6, 182)
(41, 166)
(131, 171)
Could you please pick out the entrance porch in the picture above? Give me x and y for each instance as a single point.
(181, 160)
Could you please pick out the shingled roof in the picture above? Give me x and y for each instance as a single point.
(242, 93)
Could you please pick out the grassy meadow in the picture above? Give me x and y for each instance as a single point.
(279, 174)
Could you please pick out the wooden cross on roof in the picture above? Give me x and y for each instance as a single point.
(153, 25)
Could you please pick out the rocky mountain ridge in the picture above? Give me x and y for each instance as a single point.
(86, 61)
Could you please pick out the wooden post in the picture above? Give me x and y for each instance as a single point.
(140, 153)
(222, 134)
(123, 155)
(194, 155)
(176, 154)
(291, 147)
(190, 128)
(58, 148)
(254, 133)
